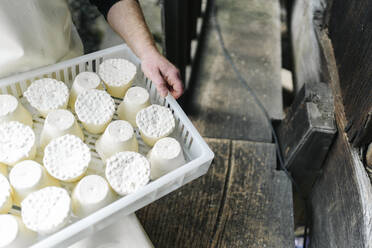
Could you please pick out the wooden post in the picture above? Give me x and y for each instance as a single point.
(175, 16)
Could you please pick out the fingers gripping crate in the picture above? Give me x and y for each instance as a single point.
(196, 151)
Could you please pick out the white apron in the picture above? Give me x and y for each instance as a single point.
(35, 33)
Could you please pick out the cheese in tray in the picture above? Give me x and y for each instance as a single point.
(61, 176)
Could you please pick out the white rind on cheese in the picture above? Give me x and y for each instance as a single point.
(4, 169)
(67, 158)
(47, 94)
(58, 123)
(6, 198)
(117, 75)
(12, 110)
(119, 136)
(46, 210)
(155, 122)
(136, 99)
(165, 156)
(28, 176)
(95, 109)
(83, 81)
(90, 194)
(127, 172)
(17, 143)
(13, 233)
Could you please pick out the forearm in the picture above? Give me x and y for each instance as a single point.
(126, 18)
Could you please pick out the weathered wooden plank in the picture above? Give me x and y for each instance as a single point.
(308, 129)
(241, 202)
(187, 217)
(217, 103)
(342, 197)
(351, 34)
(258, 207)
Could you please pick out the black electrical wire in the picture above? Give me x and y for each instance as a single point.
(245, 84)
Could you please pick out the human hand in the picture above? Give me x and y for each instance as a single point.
(163, 74)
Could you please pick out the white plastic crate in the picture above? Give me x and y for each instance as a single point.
(197, 153)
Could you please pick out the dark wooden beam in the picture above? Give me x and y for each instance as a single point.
(342, 197)
(175, 22)
(350, 30)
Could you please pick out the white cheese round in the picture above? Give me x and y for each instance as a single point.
(118, 75)
(136, 99)
(83, 81)
(118, 137)
(67, 158)
(95, 109)
(46, 210)
(58, 123)
(47, 94)
(127, 171)
(6, 198)
(4, 169)
(90, 194)
(155, 122)
(17, 143)
(12, 110)
(13, 233)
(165, 156)
(28, 176)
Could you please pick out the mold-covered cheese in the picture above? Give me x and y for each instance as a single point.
(90, 194)
(17, 143)
(119, 136)
(58, 123)
(127, 172)
(165, 156)
(155, 122)
(67, 158)
(117, 75)
(83, 81)
(95, 109)
(47, 94)
(12, 110)
(6, 198)
(46, 210)
(136, 99)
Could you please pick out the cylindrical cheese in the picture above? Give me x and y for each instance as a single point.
(90, 194)
(3, 169)
(118, 137)
(47, 94)
(95, 109)
(58, 123)
(6, 199)
(127, 172)
(12, 110)
(155, 122)
(29, 176)
(67, 158)
(13, 233)
(46, 210)
(136, 99)
(165, 156)
(117, 75)
(17, 143)
(83, 81)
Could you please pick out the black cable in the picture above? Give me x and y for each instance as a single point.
(260, 105)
